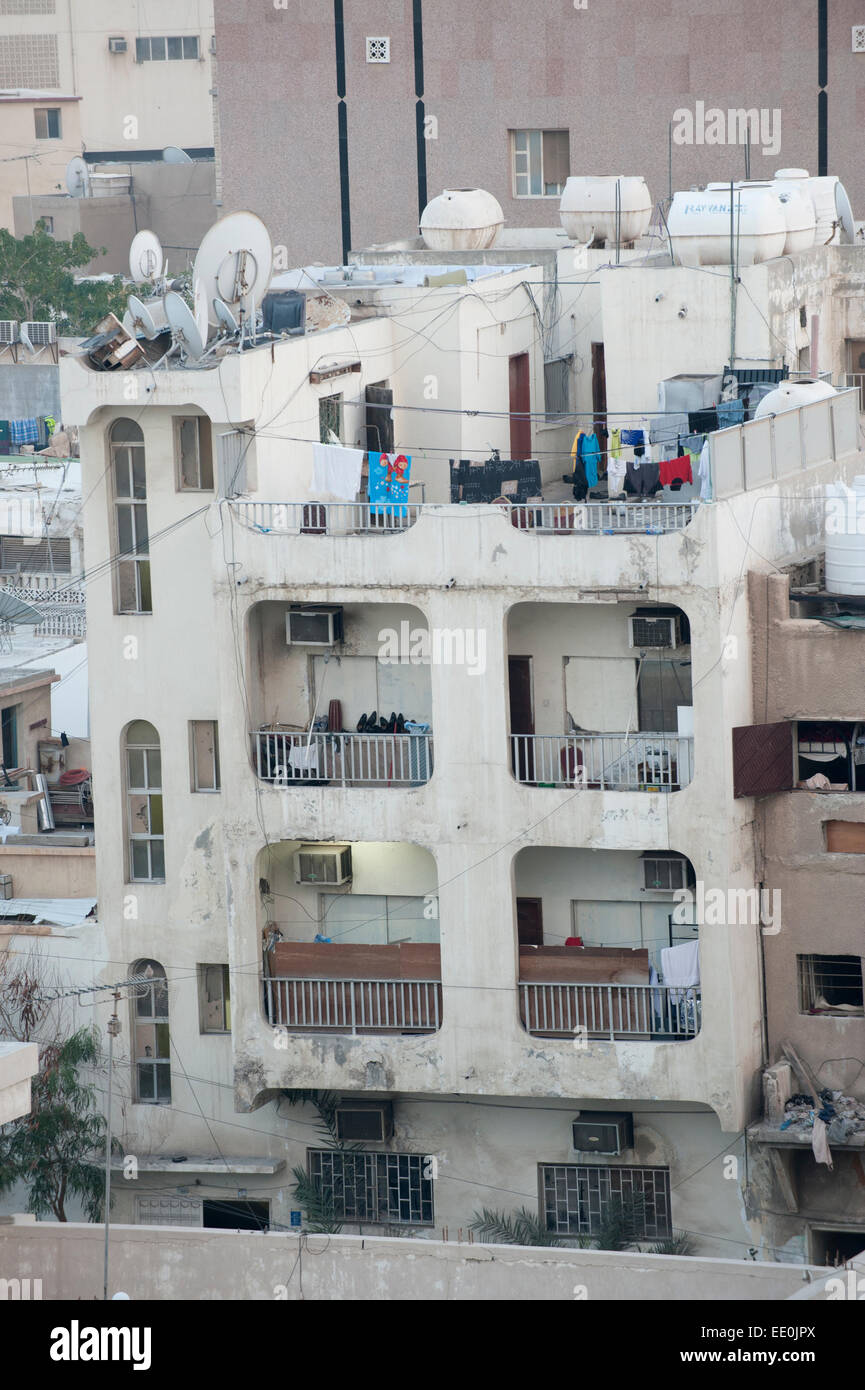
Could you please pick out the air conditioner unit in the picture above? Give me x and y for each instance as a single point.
(117, 45)
(654, 633)
(313, 627)
(8, 332)
(603, 1133)
(663, 873)
(369, 1122)
(212, 43)
(40, 333)
(323, 865)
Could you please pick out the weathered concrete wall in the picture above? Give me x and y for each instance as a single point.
(164, 1263)
(19, 1062)
(48, 871)
(29, 390)
(803, 669)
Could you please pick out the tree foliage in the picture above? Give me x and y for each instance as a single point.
(316, 1203)
(55, 1150)
(520, 1227)
(37, 282)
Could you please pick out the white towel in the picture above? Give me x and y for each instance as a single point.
(680, 967)
(336, 470)
(303, 758)
(820, 1144)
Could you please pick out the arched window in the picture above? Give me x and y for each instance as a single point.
(151, 1052)
(144, 824)
(130, 517)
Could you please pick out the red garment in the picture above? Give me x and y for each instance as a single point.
(676, 470)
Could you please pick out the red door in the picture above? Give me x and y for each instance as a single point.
(520, 406)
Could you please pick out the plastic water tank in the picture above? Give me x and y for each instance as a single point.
(790, 394)
(845, 537)
(462, 219)
(699, 226)
(831, 204)
(588, 207)
(799, 213)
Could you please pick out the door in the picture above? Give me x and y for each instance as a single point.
(599, 393)
(530, 923)
(856, 366)
(763, 759)
(522, 716)
(379, 418)
(520, 406)
(662, 686)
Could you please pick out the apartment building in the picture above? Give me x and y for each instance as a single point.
(142, 78)
(457, 926)
(387, 105)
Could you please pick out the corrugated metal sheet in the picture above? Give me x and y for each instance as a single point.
(763, 759)
(57, 912)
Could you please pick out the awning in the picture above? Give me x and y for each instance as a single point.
(57, 912)
(14, 610)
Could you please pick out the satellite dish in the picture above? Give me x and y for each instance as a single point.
(235, 264)
(145, 317)
(225, 317)
(845, 214)
(172, 154)
(200, 310)
(145, 257)
(78, 177)
(183, 326)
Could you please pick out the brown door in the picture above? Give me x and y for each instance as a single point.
(522, 717)
(599, 393)
(530, 924)
(520, 406)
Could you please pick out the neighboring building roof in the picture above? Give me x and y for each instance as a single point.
(34, 94)
(13, 678)
(56, 912)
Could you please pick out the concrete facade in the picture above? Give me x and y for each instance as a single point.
(31, 165)
(488, 71)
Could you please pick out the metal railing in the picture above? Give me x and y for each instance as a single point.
(602, 518)
(328, 518)
(622, 762)
(353, 1006)
(610, 1011)
(349, 760)
(857, 379)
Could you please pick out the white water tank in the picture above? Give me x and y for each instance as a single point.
(831, 204)
(462, 219)
(790, 394)
(799, 213)
(588, 207)
(700, 225)
(845, 537)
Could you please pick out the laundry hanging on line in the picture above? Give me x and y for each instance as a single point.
(336, 470)
(389, 483)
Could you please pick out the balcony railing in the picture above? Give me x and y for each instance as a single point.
(647, 1012)
(857, 379)
(546, 518)
(620, 762)
(354, 1006)
(347, 760)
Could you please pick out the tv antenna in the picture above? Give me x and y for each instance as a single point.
(145, 258)
(235, 265)
(78, 178)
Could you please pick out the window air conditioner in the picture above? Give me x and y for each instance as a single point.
(117, 45)
(664, 874)
(323, 865)
(600, 1133)
(365, 1122)
(40, 333)
(654, 633)
(8, 332)
(313, 627)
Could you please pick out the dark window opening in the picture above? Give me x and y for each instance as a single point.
(830, 985)
(236, 1216)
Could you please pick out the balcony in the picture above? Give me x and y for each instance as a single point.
(354, 989)
(602, 992)
(347, 760)
(543, 518)
(644, 762)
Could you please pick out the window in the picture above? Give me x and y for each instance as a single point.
(557, 386)
(666, 873)
(152, 1057)
(144, 804)
(374, 1188)
(367, 919)
(830, 985)
(48, 126)
(540, 162)
(19, 555)
(845, 836)
(48, 224)
(662, 686)
(130, 510)
(214, 998)
(168, 1211)
(192, 449)
(225, 1215)
(204, 755)
(329, 418)
(577, 1198)
(166, 49)
(234, 446)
